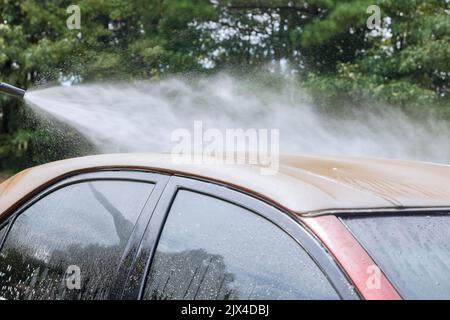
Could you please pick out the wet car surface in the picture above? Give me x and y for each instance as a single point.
(139, 226)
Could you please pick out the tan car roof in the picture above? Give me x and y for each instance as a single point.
(304, 184)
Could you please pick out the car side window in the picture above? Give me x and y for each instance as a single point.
(68, 244)
(212, 249)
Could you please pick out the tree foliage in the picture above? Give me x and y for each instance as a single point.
(405, 61)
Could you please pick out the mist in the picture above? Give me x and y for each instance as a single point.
(140, 117)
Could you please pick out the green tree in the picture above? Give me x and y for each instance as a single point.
(118, 39)
(407, 63)
(404, 62)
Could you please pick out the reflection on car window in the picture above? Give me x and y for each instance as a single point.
(68, 244)
(2, 233)
(211, 249)
(413, 251)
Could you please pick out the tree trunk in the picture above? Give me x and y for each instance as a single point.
(4, 120)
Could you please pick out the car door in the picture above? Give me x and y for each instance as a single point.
(207, 241)
(74, 240)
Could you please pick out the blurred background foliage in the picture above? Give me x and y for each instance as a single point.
(326, 43)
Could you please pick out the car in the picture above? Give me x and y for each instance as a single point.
(141, 226)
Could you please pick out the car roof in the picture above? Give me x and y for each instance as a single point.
(304, 184)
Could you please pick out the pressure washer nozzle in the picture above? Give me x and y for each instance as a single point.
(11, 90)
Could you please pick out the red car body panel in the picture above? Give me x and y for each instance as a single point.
(371, 283)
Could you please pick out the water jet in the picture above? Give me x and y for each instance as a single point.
(145, 117)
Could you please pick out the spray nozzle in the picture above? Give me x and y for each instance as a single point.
(11, 90)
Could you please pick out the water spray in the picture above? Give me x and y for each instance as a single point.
(145, 116)
(11, 90)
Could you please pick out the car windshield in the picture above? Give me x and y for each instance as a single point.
(412, 250)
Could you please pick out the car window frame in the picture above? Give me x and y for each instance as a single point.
(159, 180)
(5, 225)
(134, 288)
